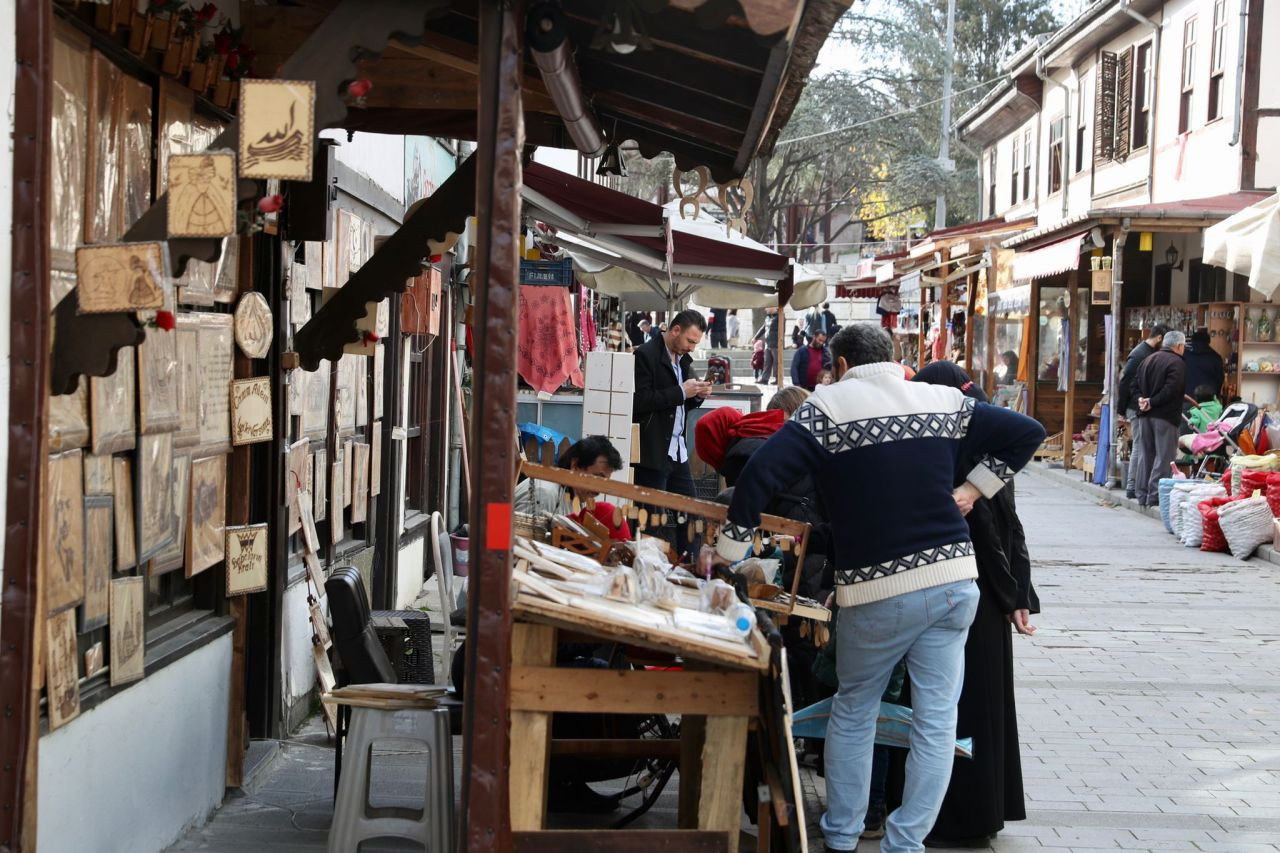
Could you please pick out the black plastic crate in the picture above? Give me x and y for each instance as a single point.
(406, 637)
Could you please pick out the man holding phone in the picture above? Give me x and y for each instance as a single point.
(665, 390)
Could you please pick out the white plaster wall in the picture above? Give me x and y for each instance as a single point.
(1268, 169)
(130, 775)
(1004, 174)
(377, 156)
(7, 49)
(296, 663)
(410, 571)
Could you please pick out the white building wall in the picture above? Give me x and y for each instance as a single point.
(298, 668)
(1268, 169)
(410, 571)
(1006, 205)
(132, 774)
(377, 156)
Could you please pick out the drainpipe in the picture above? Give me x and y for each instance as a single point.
(1117, 333)
(1064, 166)
(1244, 30)
(1156, 30)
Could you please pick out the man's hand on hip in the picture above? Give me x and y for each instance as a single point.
(966, 495)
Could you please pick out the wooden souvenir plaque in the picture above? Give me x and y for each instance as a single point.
(64, 532)
(246, 548)
(158, 401)
(173, 555)
(155, 494)
(277, 129)
(207, 539)
(215, 370)
(359, 483)
(121, 277)
(251, 418)
(202, 194)
(125, 533)
(320, 484)
(99, 519)
(187, 340)
(253, 326)
(62, 673)
(112, 402)
(128, 634)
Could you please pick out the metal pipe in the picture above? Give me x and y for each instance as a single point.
(553, 54)
(1117, 332)
(1156, 30)
(1063, 166)
(1244, 31)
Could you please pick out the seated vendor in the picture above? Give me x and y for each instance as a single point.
(593, 455)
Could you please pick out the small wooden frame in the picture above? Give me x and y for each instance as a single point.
(208, 514)
(246, 549)
(277, 129)
(202, 194)
(121, 277)
(128, 635)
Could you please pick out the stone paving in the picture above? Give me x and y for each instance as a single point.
(1147, 703)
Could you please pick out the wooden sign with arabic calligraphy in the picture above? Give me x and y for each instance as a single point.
(277, 129)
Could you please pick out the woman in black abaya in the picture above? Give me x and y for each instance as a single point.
(986, 791)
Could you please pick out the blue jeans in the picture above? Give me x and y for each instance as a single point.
(929, 627)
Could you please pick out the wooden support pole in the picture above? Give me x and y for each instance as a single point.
(485, 817)
(531, 646)
(920, 338)
(1069, 404)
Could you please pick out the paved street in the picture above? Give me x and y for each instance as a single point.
(1147, 702)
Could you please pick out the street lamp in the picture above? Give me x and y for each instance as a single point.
(1171, 257)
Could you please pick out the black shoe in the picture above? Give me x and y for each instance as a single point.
(1131, 495)
(830, 849)
(873, 824)
(578, 798)
(977, 843)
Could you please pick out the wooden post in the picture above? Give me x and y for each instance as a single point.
(920, 342)
(531, 645)
(971, 296)
(485, 819)
(1033, 348)
(992, 355)
(944, 310)
(1069, 404)
(779, 368)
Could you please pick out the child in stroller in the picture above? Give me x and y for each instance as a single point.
(1205, 410)
(1222, 438)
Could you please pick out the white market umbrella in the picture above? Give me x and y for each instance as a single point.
(1248, 243)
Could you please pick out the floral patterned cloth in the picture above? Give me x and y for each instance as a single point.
(548, 345)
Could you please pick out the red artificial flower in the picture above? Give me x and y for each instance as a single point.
(435, 259)
(233, 60)
(359, 88)
(271, 203)
(222, 43)
(165, 320)
(206, 13)
(370, 338)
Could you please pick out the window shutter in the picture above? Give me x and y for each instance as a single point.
(1124, 104)
(1104, 112)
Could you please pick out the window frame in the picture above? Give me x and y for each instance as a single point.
(1187, 97)
(1143, 76)
(992, 166)
(1016, 173)
(1082, 130)
(1027, 160)
(1217, 68)
(1055, 177)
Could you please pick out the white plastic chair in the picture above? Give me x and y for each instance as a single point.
(442, 558)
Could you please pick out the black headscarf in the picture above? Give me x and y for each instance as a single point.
(950, 374)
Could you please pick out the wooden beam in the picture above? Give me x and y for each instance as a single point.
(633, 691)
(724, 755)
(485, 819)
(613, 841)
(617, 748)
(531, 646)
(1073, 291)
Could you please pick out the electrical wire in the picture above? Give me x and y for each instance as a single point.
(901, 112)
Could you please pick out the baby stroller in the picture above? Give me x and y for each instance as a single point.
(1211, 451)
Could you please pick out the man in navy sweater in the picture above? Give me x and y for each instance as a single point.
(883, 453)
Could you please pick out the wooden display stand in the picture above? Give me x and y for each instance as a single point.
(717, 694)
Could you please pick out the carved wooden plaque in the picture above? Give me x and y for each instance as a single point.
(128, 634)
(254, 325)
(251, 418)
(121, 277)
(246, 558)
(277, 129)
(208, 514)
(99, 519)
(62, 673)
(64, 532)
(202, 194)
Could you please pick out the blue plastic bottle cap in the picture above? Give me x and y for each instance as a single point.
(744, 624)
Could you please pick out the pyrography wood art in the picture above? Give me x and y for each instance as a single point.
(375, 459)
(121, 277)
(187, 340)
(99, 517)
(336, 491)
(224, 281)
(315, 265)
(296, 479)
(360, 483)
(348, 460)
(158, 382)
(314, 572)
(379, 371)
(202, 194)
(93, 661)
(277, 128)
(296, 385)
(122, 487)
(362, 389)
(173, 555)
(112, 402)
(320, 484)
(254, 325)
(97, 475)
(64, 532)
(217, 355)
(315, 401)
(155, 494)
(251, 419)
(128, 635)
(310, 539)
(299, 298)
(319, 626)
(344, 400)
(62, 673)
(324, 674)
(69, 419)
(246, 558)
(208, 513)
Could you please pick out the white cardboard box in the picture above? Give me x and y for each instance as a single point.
(599, 371)
(620, 427)
(624, 372)
(597, 402)
(621, 403)
(594, 423)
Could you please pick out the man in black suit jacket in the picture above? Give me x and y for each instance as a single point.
(665, 391)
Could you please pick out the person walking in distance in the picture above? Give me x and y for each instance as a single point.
(1126, 402)
(732, 327)
(1158, 389)
(769, 334)
(809, 362)
(665, 391)
(719, 329)
(884, 454)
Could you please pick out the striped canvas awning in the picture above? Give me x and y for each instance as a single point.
(1055, 258)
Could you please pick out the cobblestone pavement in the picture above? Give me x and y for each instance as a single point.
(1147, 704)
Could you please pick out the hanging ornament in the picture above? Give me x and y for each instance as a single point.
(687, 196)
